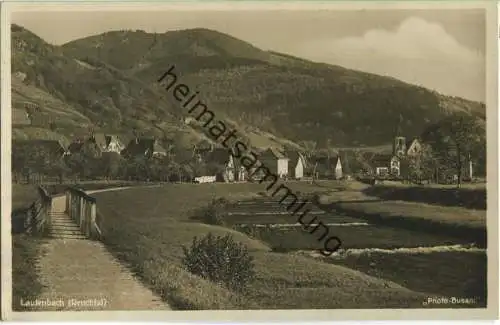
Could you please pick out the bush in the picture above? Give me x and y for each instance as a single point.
(215, 213)
(220, 260)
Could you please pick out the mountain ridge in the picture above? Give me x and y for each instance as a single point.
(110, 79)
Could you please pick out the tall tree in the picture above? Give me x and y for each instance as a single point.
(422, 165)
(457, 139)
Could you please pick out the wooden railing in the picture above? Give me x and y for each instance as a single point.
(82, 208)
(37, 216)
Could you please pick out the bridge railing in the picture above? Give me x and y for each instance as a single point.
(82, 208)
(37, 216)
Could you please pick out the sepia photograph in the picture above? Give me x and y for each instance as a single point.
(298, 160)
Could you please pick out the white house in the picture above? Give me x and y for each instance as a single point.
(296, 164)
(275, 161)
(338, 168)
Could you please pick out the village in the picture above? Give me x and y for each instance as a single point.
(335, 187)
(106, 156)
(144, 158)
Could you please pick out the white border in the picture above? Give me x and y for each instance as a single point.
(258, 315)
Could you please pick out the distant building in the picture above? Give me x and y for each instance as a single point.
(225, 160)
(143, 147)
(390, 164)
(384, 165)
(275, 161)
(107, 142)
(414, 147)
(296, 164)
(326, 167)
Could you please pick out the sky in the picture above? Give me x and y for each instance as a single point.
(443, 50)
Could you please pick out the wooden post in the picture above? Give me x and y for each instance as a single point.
(93, 214)
(48, 216)
(68, 198)
(81, 213)
(470, 167)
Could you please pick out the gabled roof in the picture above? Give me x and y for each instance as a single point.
(142, 146)
(99, 139)
(158, 148)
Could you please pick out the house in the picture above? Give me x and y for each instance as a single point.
(414, 147)
(107, 142)
(98, 144)
(329, 167)
(223, 162)
(296, 164)
(275, 161)
(384, 165)
(88, 146)
(391, 164)
(143, 147)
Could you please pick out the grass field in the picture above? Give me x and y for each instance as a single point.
(462, 275)
(355, 237)
(147, 228)
(470, 195)
(469, 224)
(432, 261)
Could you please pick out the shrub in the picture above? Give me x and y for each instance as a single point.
(215, 213)
(220, 260)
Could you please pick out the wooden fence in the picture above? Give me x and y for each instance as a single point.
(82, 208)
(37, 216)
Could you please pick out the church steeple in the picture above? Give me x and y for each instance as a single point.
(399, 145)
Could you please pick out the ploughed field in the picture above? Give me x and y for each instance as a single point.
(436, 263)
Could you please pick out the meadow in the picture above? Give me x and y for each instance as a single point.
(458, 221)
(147, 227)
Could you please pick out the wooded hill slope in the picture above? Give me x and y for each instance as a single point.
(108, 82)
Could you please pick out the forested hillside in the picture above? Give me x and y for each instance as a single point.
(108, 82)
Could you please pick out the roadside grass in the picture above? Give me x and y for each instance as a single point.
(147, 227)
(450, 274)
(25, 284)
(25, 251)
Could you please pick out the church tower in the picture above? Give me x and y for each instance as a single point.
(399, 145)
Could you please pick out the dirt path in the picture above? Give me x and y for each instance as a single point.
(80, 274)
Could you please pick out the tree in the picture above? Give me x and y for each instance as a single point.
(309, 148)
(111, 164)
(457, 139)
(421, 166)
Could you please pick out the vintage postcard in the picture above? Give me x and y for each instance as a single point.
(249, 161)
